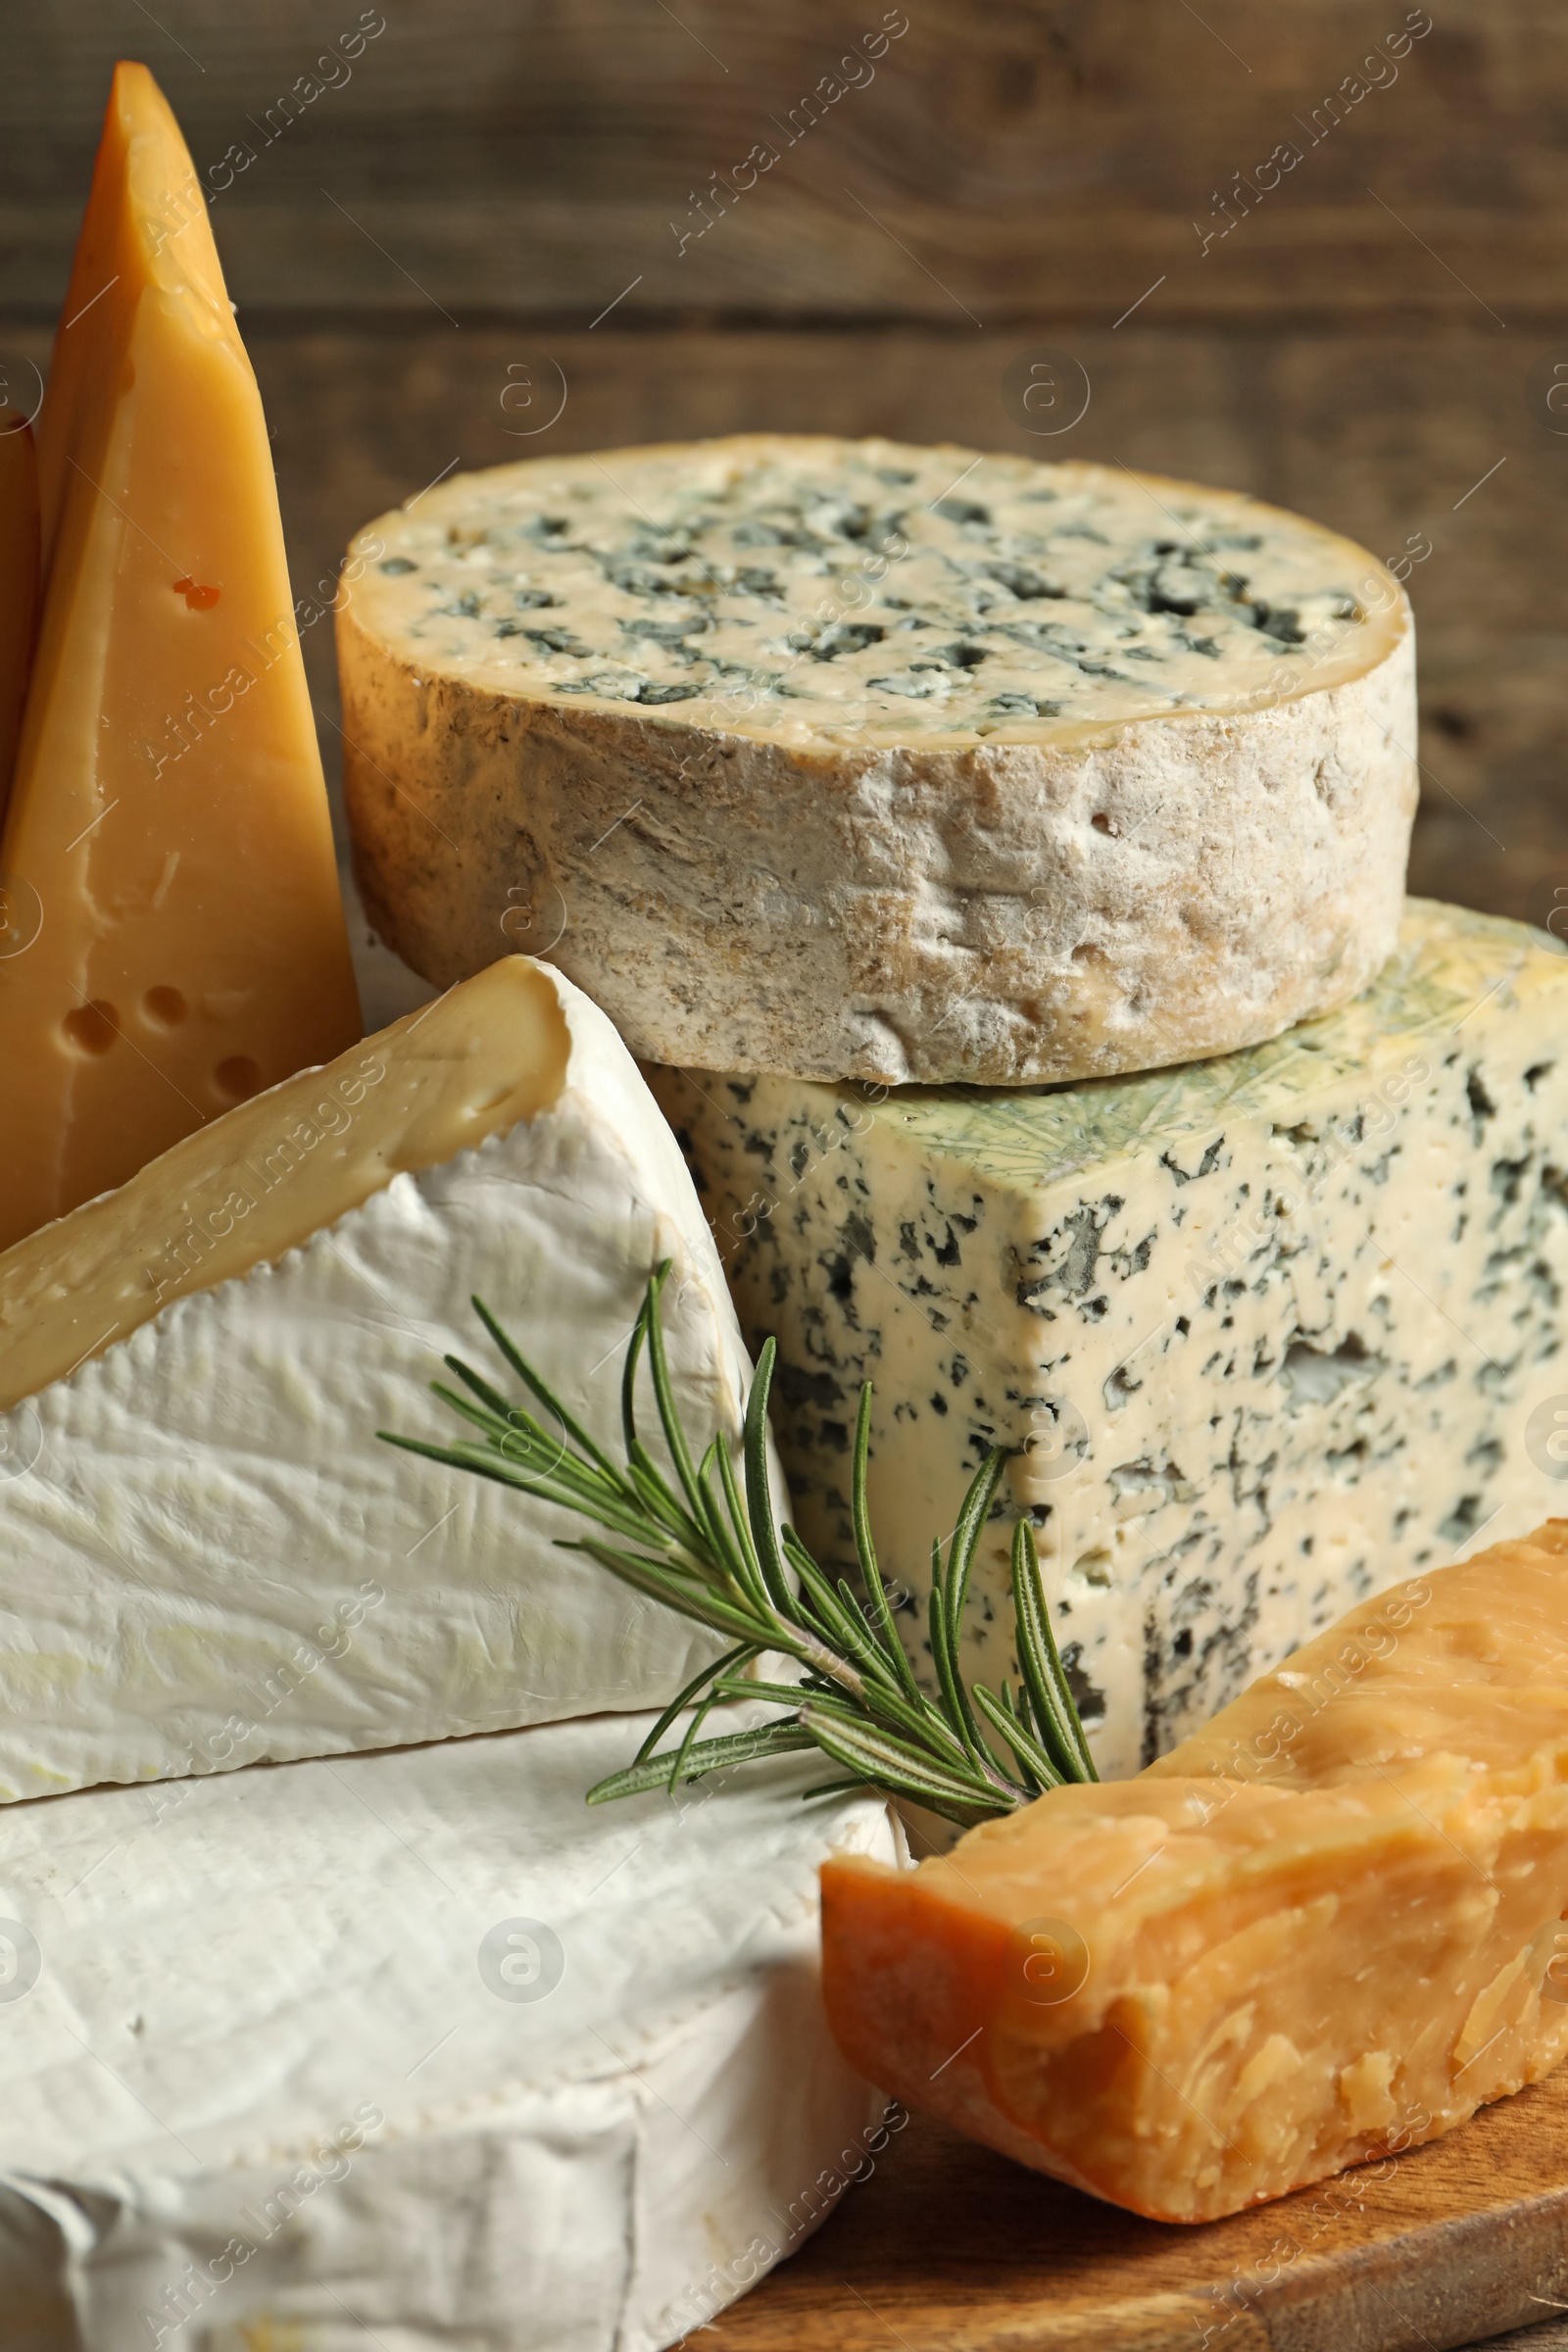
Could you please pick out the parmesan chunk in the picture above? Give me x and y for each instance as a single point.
(1329, 1926)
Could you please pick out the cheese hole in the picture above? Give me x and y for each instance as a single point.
(237, 1078)
(165, 1006)
(199, 598)
(1102, 822)
(91, 1028)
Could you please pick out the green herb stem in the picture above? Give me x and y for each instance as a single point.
(712, 1548)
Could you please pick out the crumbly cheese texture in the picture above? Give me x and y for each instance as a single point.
(416, 2049)
(207, 1555)
(988, 596)
(1328, 1928)
(854, 760)
(1264, 1335)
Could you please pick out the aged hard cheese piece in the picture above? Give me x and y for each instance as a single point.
(417, 2051)
(205, 1555)
(1268, 1330)
(19, 598)
(1331, 1924)
(860, 761)
(176, 931)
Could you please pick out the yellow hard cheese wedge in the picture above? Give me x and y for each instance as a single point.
(19, 585)
(1330, 1926)
(172, 935)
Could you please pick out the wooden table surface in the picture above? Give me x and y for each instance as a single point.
(949, 2248)
(438, 215)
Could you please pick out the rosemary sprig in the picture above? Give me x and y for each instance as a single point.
(711, 1548)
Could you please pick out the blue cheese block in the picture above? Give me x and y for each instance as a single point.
(1264, 1335)
(857, 760)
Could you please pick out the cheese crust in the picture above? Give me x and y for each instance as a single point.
(854, 760)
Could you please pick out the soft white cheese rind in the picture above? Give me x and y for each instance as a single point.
(265, 2081)
(834, 879)
(207, 1555)
(1265, 1333)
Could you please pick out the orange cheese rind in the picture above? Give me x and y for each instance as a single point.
(1330, 1926)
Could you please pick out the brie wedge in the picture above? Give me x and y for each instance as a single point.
(414, 2051)
(207, 1556)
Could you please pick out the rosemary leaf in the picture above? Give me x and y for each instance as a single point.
(742, 1651)
(759, 1492)
(709, 1755)
(1038, 1766)
(1049, 1693)
(487, 1465)
(744, 1544)
(663, 1583)
(663, 1395)
(546, 1395)
(865, 1551)
(893, 1765)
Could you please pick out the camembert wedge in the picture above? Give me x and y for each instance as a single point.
(414, 2051)
(205, 1555)
(1331, 1924)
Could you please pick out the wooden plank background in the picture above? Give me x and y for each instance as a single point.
(451, 206)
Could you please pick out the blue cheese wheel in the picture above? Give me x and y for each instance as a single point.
(849, 760)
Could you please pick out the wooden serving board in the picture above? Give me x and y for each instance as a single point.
(949, 2248)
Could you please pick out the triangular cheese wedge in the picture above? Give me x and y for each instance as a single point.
(207, 1555)
(283, 2069)
(167, 837)
(19, 587)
